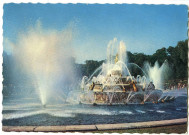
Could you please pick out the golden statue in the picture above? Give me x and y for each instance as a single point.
(116, 58)
(134, 86)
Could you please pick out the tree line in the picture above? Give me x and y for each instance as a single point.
(177, 58)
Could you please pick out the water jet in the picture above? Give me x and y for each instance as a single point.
(115, 84)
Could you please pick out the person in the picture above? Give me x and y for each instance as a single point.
(179, 86)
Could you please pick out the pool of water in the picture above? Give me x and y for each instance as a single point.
(29, 112)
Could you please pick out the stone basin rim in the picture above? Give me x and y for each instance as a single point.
(94, 127)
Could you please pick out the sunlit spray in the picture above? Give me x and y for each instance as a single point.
(157, 74)
(46, 55)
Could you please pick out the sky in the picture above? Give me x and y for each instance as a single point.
(143, 28)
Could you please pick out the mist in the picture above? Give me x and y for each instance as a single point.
(47, 57)
(158, 74)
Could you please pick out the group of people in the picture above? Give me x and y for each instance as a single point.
(177, 86)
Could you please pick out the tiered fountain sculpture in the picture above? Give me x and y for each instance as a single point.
(113, 84)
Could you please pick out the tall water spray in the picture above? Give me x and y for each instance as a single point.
(113, 47)
(157, 74)
(122, 52)
(116, 61)
(45, 55)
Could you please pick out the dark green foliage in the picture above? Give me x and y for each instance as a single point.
(180, 60)
(89, 67)
(177, 57)
(161, 55)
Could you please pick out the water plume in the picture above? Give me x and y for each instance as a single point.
(111, 51)
(122, 51)
(46, 56)
(113, 47)
(157, 74)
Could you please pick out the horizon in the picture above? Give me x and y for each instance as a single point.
(106, 58)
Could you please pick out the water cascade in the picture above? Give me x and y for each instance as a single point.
(112, 82)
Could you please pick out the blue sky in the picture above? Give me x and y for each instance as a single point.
(143, 28)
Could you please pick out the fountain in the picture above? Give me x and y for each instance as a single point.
(43, 56)
(112, 83)
(115, 85)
